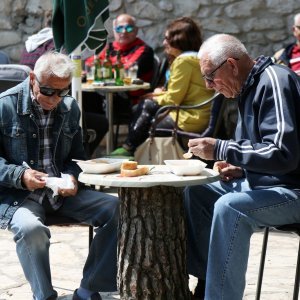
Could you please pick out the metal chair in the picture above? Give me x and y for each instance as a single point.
(295, 228)
(213, 129)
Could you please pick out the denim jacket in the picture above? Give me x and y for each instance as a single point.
(19, 141)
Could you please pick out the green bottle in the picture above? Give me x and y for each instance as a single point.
(119, 70)
(106, 67)
(98, 73)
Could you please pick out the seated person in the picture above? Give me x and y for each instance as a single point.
(185, 87)
(40, 126)
(39, 43)
(132, 51)
(259, 169)
(43, 42)
(290, 56)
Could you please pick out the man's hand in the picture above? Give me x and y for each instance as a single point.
(228, 171)
(69, 192)
(203, 147)
(32, 179)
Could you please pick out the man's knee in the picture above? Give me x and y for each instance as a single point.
(35, 234)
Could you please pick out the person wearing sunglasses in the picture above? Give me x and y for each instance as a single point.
(290, 55)
(259, 169)
(40, 136)
(135, 53)
(182, 39)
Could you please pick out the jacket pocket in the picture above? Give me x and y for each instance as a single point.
(15, 143)
(68, 134)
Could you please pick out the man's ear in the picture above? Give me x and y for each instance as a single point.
(233, 65)
(31, 76)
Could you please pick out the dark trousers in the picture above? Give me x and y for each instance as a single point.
(142, 121)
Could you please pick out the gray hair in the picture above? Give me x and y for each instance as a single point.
(54, 64)
(219, 47)
(296, 18)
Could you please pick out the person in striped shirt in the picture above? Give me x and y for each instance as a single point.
(290, 55)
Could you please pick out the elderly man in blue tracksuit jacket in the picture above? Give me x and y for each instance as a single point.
(39, 125)
(259, 169)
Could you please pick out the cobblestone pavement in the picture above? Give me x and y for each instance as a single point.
(69, 245)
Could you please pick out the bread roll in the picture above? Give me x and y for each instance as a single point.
(129, 165)
(216, 168)
(141, 170)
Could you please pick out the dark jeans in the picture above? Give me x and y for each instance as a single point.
(99, 123)
(94, 107)
(142, 121)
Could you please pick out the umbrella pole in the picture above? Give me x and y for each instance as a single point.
(76, 80)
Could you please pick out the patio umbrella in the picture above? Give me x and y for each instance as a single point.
(77, 25)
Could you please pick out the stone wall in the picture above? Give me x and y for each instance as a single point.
(263, 25)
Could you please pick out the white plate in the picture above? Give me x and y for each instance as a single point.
(101, 165)
(185, 166)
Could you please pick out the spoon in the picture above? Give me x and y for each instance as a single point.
(84, 161)
(188, 154)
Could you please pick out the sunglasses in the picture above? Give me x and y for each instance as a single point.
(46, 91)
(124, 28)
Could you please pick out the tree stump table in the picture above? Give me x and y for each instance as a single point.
(152, 232)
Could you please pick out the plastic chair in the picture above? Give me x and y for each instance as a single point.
(295, 228)
(63, 221)
(4, 58)
(215, 121)
(159, 78)
(11, 75)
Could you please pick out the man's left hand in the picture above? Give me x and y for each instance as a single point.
(69, 192)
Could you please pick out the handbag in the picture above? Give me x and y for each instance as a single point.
(157, 149)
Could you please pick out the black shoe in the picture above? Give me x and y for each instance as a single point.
(95, 296)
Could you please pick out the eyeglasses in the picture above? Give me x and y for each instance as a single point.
(210, 77)
(46, 91)
(124, 28)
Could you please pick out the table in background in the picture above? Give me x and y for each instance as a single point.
(109, 90)
(152, 232)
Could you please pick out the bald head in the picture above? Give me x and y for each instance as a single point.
(125, 18)
(125, 30)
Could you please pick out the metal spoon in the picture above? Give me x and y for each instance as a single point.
(188, 154)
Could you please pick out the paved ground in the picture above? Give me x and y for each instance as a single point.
(69, 249)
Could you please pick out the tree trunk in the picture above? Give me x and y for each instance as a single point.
(152, 244)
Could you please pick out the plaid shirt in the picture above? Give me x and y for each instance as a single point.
(45, 122)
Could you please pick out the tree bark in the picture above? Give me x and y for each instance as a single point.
(152, 244)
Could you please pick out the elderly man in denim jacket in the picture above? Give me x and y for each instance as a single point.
(40, 126)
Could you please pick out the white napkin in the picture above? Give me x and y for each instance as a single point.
(54, 183)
